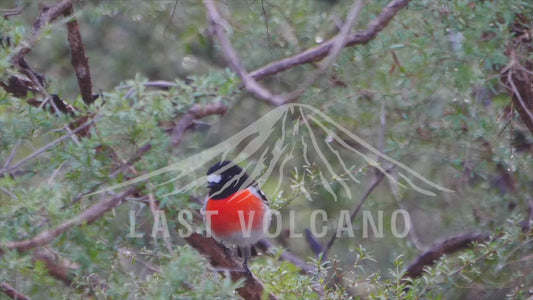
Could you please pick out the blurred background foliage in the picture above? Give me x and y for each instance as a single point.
(433, 74)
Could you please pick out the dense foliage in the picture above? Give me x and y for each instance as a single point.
(429, 91)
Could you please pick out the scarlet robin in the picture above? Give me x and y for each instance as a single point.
(236, 209)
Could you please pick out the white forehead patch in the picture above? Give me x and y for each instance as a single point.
(213, 178)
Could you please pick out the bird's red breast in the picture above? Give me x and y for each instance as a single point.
(226, 219)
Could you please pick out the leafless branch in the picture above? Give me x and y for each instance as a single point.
(522, 95)
(266, 23)
(217, 24)
(20, 87)
(11, 12)
(11, 292)
(330, 49)
(48, 14)
(162, 84)
(227, 263)
(413, 237)
(11, 155)
(90, 215)
(319, 52)
(450, 245)
(195, 112)
(526, 224)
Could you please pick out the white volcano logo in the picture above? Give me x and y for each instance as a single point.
(276, 139)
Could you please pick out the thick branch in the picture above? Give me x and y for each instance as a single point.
(319, 52)
(56, 269)
(222, 259)
(11, 292)
(90, 215)
(450, 245)
(79, 60)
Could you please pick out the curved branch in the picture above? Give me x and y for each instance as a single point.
(450, 245)
(217, 27)
(330, 48)
(319, 52)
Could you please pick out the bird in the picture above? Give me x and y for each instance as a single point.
(236, 210)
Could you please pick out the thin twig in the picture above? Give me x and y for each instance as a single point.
(11, 155)
(128, 164)
(171, 17)
(265, 245)
(195, 112)
(377, 179)
(311, 55)
(9, 193)
(338, 44)
(217, 24)
(519, 97)
(266, 23)
(47, 147)
(157, 83)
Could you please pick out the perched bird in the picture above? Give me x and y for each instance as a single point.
(236, 210)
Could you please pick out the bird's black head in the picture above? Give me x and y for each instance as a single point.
(226, 178)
